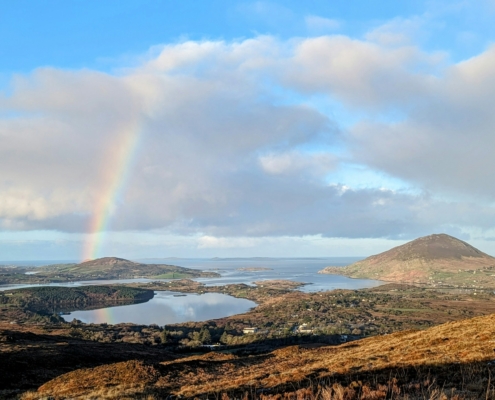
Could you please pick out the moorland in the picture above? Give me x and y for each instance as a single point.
(395, 341)
(327, 319)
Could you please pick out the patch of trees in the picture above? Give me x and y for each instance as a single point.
(49, 296)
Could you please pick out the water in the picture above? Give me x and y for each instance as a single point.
(165, 308)
(36, 263)
(296, 269)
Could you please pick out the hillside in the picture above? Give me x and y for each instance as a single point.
(332, 315)
(437, 259)
(37, 353)
(454, 358)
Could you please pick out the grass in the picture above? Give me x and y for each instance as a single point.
(448, 360)
(442, 356)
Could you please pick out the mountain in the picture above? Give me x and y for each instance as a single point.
(437, 259)
(107, 261)
(456, 358)
(119, 268)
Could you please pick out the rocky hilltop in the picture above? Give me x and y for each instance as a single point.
(437, 259)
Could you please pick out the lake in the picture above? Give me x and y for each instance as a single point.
(168, 308)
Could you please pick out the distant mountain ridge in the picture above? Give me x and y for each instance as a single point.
(435, 259)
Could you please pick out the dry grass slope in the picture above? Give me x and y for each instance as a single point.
(442, 348)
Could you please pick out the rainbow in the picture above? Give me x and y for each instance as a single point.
(105, 206)
(104, 315)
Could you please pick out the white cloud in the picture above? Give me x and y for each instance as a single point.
(205, 242)
(398, 31)
(359, 73)
(225, 152)
(317, 164)
(317, 24)
(444, 143)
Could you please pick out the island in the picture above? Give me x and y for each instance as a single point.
(100, 269)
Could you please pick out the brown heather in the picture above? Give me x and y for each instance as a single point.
(450, 361)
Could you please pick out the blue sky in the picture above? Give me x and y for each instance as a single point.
(101, 34)
(226, 128)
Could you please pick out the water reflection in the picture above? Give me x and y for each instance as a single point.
(168, 308)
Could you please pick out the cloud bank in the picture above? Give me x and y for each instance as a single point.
(232, 140)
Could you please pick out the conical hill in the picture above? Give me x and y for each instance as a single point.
(437, 259)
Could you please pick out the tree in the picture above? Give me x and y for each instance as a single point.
(224, 338)
(164, 336)
(204, 335)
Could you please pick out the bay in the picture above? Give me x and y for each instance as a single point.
(305, 270)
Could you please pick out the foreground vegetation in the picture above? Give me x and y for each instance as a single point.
(283, 318)
(450, 361)
(295, 315)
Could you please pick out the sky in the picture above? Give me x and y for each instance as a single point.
(140, 128)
